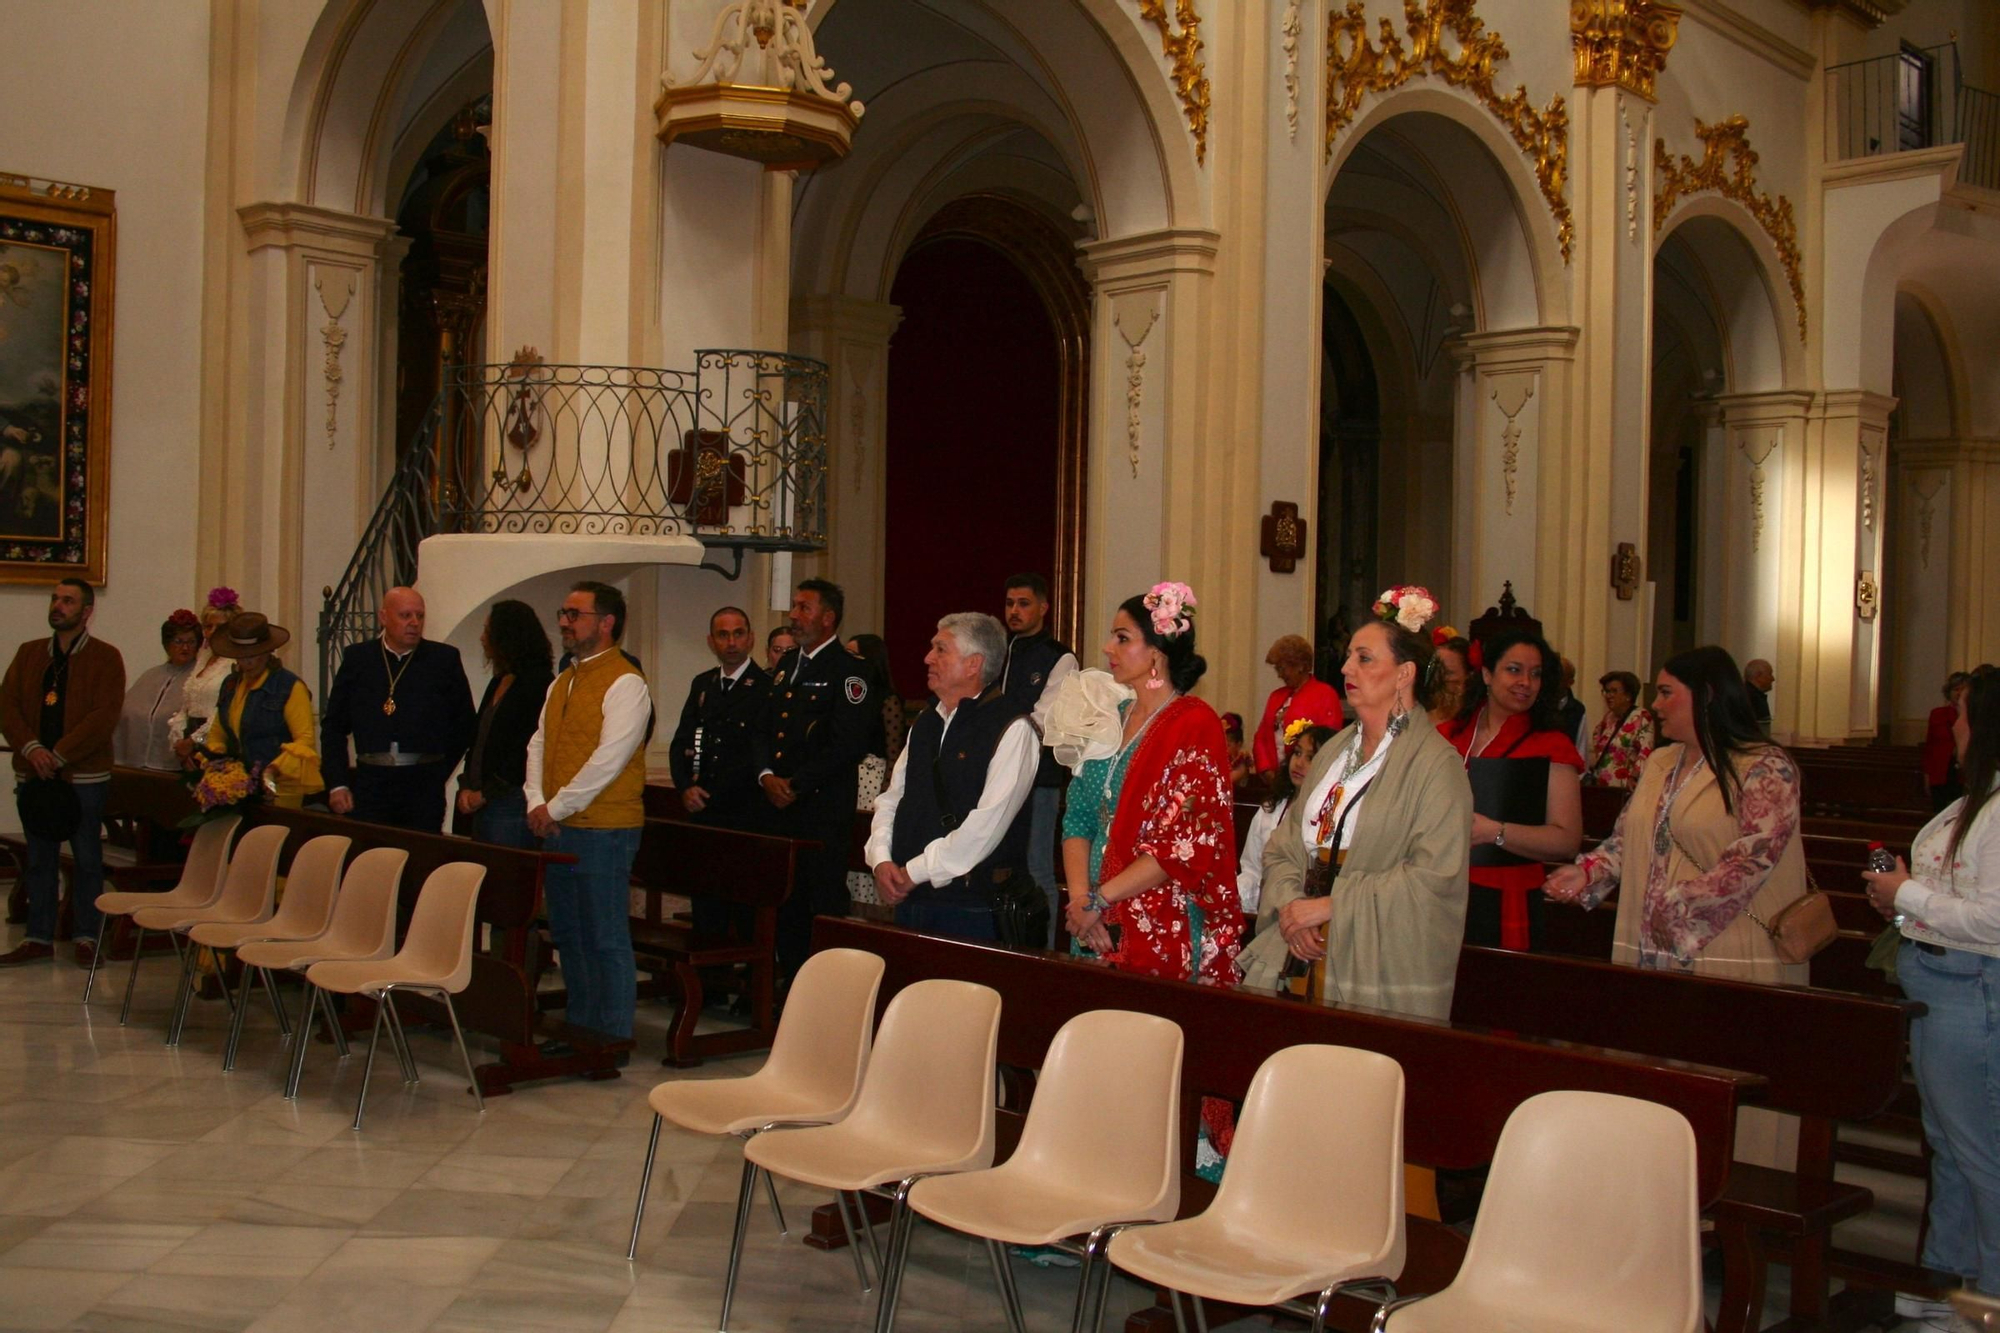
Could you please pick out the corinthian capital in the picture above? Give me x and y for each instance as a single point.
(1622, 43)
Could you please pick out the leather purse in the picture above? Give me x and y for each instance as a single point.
(1799, 929)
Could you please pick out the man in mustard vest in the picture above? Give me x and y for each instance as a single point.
(586, 780)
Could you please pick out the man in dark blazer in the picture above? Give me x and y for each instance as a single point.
(807, 758)
(404, 701)
(710, 758)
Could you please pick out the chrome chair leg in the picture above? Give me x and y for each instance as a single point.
(95, 954)
(1090, 1303)
(464, 1055)
(1200, 1314)
(298, 1064)
(277, 1005)
(853, 1242)
(132, 973)
(743, 1197)
(1003, 1277)
(645, 1183)
(397, 1037)
(777, 1209)
(361, 1102)
(235, 1031)
(184, 999)
(901, 1220)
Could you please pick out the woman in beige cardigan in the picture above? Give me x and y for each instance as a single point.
(1386, 813)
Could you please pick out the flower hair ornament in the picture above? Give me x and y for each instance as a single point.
(1407, 605)
(180, 620)
(223, 599)
(1442, 635)
(1297, 728)
(1172, 607)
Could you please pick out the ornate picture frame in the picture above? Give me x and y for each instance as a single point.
(58, 252)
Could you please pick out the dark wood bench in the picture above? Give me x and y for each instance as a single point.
(1460, 1083)
(747, 869)
(1827, 1057)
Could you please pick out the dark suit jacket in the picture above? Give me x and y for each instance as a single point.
(503, 764)
(816, 729)
(728, 723)
(433, 714)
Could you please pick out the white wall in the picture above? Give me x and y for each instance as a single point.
(115, 95)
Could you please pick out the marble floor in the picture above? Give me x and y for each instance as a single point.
(142, 1188)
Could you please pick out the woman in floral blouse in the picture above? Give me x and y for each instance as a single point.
(1704, 851)
(1149, 837)
(1624, 735)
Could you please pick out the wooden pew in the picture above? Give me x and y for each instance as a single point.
(500, 998)
(1826, 1056)
(1600, 810)
(1460, 1084)
(679, 857)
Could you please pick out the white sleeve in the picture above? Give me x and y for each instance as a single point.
(1064, 668)
(627, 705)
(1250, 867)
(1010, 776)
(531, 785)
(882, 829)
(1975, 916)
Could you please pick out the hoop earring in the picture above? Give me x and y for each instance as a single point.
(1153, 681)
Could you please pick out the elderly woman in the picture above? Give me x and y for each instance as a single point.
(1527, 803)
(1940, 752)
(1624, 735)
(1948, 899)
(1366, 875)
(1149, 842)
(1704, 853)
(1300, 696)
(264, 713)
(145, 736)
(204, 683)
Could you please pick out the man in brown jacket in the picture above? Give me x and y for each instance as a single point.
(59, 705)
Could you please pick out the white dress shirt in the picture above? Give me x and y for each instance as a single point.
(628, 705)
(1010, 775)
(1351, 795)
(1250, 865)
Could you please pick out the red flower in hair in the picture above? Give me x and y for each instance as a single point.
(1476, 659)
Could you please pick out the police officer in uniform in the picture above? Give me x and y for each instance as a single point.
(710, 758)
(1036, 665)
(807, 759)
(406, 704)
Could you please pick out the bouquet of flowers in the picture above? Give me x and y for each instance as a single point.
(219, 784)
(1407, 605)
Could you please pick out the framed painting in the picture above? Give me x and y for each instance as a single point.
(57, 253)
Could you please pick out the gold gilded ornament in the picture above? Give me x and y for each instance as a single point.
(1728, 166)
(1622, 43)
(1355, 67)
(1183, 48)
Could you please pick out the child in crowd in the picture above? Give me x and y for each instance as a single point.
(1302, 741)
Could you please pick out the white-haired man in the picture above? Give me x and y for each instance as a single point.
(952, 826)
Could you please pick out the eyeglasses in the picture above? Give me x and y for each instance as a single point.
(571, 613)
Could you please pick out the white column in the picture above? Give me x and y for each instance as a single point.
(303, 475)
(1754, 538)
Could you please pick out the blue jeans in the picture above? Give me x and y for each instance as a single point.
(86, 844)
(958, 912)
(1044, 820)
(503, 822)
(589, 907)
(1955, 1049)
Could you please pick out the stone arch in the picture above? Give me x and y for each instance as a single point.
(1743, 267)
(1519, 274)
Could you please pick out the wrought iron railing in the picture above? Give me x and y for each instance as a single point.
(732, 453)
(1913, 98)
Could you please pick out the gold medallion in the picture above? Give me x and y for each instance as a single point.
(50, 698)
(389, 707)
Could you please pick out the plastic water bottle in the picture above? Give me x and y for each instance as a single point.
(1881, 862)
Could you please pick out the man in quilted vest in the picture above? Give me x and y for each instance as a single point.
(586, 780)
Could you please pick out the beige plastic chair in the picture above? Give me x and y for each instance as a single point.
(1101, 1148)
(436, 957)
(363, 929)
(200, 885)
(1312, 1198)
(926, 1107)
(812, 1076)
(304, 913)
(1589, 1223)
(248, 888)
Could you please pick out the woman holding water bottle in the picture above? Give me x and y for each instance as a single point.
(1947, 905)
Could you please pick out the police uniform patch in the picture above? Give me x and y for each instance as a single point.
(857, 689)
(1035, 679)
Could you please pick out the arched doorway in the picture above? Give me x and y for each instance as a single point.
(1350, 440)
(1917, 589)
(985, 430)
(444, 213)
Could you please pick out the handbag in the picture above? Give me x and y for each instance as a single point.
(1798, 930)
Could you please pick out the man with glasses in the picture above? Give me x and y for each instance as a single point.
(586, 789)
(405, 702)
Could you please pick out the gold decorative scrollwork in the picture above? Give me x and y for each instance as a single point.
(1729, 167)
(1622, 43)
(1355, 67)
(1183, 48)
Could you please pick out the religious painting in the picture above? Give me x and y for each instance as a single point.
(57, 249)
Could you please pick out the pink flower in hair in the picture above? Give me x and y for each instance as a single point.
(223, 599)
(1172, 606)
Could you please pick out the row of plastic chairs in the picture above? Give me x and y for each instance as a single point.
(336, 930)
(1589, 1220)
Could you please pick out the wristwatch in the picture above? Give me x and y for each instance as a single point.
(1500, 838)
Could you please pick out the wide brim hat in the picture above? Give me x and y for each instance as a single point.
(248, 634)
(49, 808)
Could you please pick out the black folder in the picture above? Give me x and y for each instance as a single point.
(1509, 791)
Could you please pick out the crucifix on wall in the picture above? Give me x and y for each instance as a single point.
(1284, 537)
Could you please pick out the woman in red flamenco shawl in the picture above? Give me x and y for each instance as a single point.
(1149, 846)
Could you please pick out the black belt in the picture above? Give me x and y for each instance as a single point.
(397, 759)
(1928, 947)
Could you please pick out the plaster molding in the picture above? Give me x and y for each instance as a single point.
(1914, 164)
(1869, 482)
(1927, 511)
(1725, 21)
(1510, 392)
(310, 227)
(1728, 167)
(1134, 314)
(1149, 256)
(333, 299)
(860, 362)
(1758, 443)
(1293, 27)
(1183, 49)
(1631, 172)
